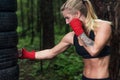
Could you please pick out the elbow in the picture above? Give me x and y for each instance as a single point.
(94, 52)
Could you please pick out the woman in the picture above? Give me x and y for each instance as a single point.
(91, 38)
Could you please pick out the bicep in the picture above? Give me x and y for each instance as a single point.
(101, 39)
(63, 44)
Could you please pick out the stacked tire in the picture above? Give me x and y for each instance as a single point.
(9, 69)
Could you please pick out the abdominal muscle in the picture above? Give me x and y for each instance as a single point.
(96, 68)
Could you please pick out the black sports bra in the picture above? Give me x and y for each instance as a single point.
(82, 51)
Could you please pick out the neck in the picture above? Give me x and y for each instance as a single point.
(83, 18)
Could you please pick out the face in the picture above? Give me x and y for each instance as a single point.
(68, 17)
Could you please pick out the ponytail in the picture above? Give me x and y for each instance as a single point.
(91, 16)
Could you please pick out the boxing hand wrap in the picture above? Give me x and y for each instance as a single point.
(76, 26)
(26, 54)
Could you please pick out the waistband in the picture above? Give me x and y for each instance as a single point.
(85, 78)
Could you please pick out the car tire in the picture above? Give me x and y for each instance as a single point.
(8, 57)
(8, 5)
(11, 73)
(8, 21)
(8, 39)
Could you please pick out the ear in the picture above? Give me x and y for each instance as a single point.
(78, 14)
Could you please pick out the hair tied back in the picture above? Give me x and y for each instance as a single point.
(83, 1)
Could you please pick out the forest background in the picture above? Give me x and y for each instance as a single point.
(41, 26)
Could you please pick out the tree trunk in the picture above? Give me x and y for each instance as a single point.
(110, 10)
(22, 19)
(32, 21)
(47, 20)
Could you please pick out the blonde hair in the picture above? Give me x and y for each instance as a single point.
(85, 8)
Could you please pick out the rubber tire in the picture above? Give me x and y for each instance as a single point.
(11, 73)
(9, 69)
(8, 5)
(8, 21)
(8, 57)
(8, 39)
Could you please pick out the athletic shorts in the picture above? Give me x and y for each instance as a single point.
(85, 78)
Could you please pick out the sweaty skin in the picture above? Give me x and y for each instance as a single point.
(96, 68)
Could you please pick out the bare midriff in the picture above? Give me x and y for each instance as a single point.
(96, 67)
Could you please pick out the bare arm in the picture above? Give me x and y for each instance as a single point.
(60, 47)
(102, 36)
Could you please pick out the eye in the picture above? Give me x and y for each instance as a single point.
(66, 17)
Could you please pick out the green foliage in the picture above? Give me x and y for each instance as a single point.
(25, 43)
(68, 65)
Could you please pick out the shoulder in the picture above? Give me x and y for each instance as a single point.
(103, 26)
(101, 23)
(68, 38)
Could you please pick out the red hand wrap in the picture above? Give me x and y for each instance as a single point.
(76, 26)
(27, 55)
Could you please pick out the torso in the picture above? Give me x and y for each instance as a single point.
(95, 67)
